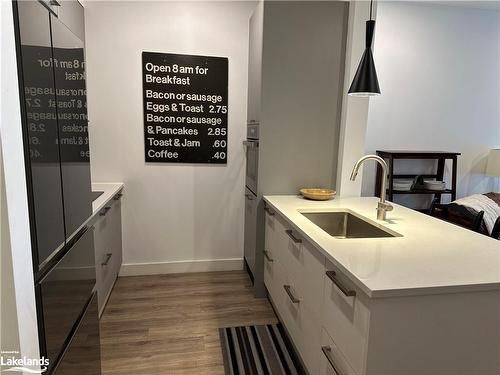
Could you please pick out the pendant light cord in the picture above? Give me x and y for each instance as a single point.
(371, 6)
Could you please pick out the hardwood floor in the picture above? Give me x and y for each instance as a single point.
(168, 324)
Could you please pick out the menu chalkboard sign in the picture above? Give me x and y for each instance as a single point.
(185, 108)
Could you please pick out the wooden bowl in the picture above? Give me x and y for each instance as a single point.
(318, 194)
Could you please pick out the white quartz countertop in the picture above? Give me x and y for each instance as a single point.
(431, 256)
(110, 189)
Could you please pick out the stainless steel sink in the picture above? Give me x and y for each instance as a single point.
(345, 224)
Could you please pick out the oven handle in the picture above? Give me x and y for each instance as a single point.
(251, 144)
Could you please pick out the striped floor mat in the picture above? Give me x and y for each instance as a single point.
(258, 350)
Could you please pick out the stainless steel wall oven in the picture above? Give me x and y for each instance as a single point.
(251, 202)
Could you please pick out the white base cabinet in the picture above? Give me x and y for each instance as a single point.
(108, 249)
(293, 275)
(337, 329)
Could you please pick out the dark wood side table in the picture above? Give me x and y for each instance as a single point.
(390, 156)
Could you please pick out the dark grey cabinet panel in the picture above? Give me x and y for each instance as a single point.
(55, 108)
(65, 291)
(71, 13)
(302, 89)
(69, 73)
(41, 128)
(83, 355)
(295, 92)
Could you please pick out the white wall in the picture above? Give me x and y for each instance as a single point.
(439, 73)
(9, 335)
(354, 109)
(171, 212)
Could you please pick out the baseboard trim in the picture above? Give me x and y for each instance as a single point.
(138, 269)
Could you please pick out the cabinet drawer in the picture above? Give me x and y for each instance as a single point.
(305, 268)
(290, 309)
(302, 325)
(105, 280)
(288, 250)
(277, 292)
(310, 331)
(115, 237)
(108, 244)
(311, 285)
(103, 249)
(273, 276)
(284, 298)
(270, 236)
(346, 317)
(290, 245)
(103, 227)
(332, 362)
(274, 230)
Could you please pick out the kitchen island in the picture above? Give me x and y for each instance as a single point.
(424, 299)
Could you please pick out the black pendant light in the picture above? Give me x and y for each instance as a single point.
(365, 82)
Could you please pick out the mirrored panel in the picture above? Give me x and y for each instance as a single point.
(69, 72)
(42, 129)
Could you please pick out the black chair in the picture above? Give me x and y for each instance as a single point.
(458, 215)
(495, 233)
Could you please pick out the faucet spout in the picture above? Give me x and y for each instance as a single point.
(382, 206)
(354, 172)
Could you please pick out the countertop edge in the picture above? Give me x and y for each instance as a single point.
(110, 189)
(435, 290)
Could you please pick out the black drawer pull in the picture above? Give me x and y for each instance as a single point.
(269, 211)
(288, 290)
(294, 239)
(118, 196)
(105, 211)
(108, 257)
(266, 254)
(332, 275)
(327, 351)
